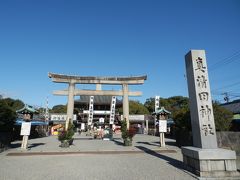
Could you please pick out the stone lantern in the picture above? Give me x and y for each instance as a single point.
(162, 117)
(27, 114)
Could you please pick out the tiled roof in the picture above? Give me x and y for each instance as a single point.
(233, 106)
(97, 100)
(27, 109)
(162, 110)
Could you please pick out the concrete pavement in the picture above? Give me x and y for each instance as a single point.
(145, 160)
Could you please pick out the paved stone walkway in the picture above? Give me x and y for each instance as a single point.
(91, 159)
(87, 143)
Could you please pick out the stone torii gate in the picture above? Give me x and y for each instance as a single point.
(71, 92)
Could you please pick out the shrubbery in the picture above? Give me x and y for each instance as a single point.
(127, 133)
(66, 134)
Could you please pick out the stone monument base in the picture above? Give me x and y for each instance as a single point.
(215, 163)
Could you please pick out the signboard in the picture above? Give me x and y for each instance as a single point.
(156, 108)
(135, 117)
(157, 102)
(101, 120)
(112, 113)
(90, 115)
(97, 112)
(162, 125)
(25, 129)
(61, 117)
(82, 126)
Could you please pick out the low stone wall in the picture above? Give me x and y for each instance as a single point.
(5, 140)
(229, 140)
(183, 138)
(225, 139)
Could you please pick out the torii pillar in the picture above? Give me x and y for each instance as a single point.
(125, 104)
(70, 104)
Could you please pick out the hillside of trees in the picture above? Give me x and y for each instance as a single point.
(177, 105)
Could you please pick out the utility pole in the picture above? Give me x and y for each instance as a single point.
(226, 97)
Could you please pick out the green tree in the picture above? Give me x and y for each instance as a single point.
(135, 107)
(179, 106)
(150, 104)
(177, 102)
(223, 117)
(59, 109)
(41, 110)
(14, 104)
(171, 104)
(182, 119)
(7, 117)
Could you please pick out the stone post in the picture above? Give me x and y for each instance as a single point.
(70, 105)
(147, 126)
(204, 159)
(162, 117)
(143, 127)
(24, 142)
(125, 104)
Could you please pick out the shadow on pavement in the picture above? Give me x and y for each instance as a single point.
(117, 138)
(18, 145)
(83, 138)
(35, 145)
(148, 143)
(176, 163)
(117, 141)
(170, 143)
(15, 145)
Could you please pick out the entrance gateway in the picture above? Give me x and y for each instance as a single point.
(72, 91)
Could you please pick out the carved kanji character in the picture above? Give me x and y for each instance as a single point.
(200, 66)
(203, 96)
(202, 81)
(208, 130)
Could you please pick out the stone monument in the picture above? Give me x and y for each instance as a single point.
(204, 159)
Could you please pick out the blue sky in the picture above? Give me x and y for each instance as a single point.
(116, 38)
